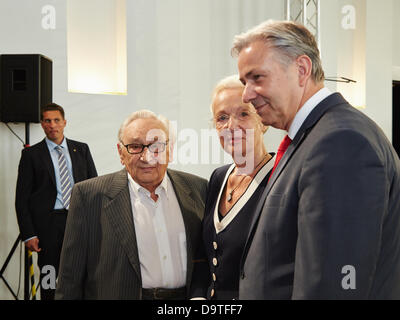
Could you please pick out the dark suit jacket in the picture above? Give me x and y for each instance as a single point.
(332, 202)
(230, 242)
(100, 259)
(36, 184)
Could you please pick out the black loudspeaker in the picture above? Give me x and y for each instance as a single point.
(26, 85)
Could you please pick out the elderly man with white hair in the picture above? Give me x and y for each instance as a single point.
(133, 234)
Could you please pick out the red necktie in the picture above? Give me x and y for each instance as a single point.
(281, 150)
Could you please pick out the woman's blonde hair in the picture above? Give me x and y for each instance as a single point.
(229, 82)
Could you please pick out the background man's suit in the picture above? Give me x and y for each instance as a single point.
(36, 192)
(100, 258)
(333, 201)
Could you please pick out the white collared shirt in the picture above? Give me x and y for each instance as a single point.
(160, 235)
(306, 109)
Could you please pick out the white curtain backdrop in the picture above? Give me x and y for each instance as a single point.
(178, 50)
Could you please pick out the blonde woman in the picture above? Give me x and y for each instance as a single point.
(233, 190)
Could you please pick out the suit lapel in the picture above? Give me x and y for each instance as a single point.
(187, 206)
(304, 130)
(118, 209)
(46, 158)
(74, 158)
(182, 192)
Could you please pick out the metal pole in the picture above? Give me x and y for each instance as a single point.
(26, 273)
(318, 26)
(6, 264)
(26, 134)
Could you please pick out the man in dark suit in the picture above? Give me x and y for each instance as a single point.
(328, 224)
(40, 206)
(133, 234)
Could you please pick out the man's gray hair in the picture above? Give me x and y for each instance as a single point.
(291, 39)
(147, 114)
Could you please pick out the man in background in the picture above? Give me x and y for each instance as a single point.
(46, 174)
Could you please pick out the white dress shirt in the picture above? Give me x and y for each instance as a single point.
(306, 109)
(160, 235)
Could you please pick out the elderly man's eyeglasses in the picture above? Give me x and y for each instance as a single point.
(155, 147)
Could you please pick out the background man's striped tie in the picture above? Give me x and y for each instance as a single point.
(64, 178)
